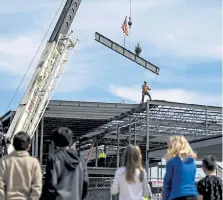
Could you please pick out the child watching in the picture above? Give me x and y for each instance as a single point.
(210, 187)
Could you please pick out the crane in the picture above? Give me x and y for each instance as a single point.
(47, 74)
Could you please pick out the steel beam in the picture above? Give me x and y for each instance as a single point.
(37, 143)
(147, 137)
(126, 53)
(41, 140)
(101, 170)
(118, 147)
(208, 143)
(86, 110)
(185, 105)
(135, 131)
(96, 152)
(90, 104)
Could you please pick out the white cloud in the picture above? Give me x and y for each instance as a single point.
(17, 53)
(175, 95)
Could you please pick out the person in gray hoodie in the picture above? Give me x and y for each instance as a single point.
(66, 171)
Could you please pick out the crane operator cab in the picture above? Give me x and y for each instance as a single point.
(145, 91)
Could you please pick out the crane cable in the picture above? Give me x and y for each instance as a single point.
(130, 18)
(34, 56)
(153, 81)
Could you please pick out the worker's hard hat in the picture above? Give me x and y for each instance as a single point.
(145, 81)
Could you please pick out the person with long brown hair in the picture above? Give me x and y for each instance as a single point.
(130, 180)
(179, 180)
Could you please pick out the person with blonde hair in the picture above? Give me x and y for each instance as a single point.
(130, 181)
(179, 180)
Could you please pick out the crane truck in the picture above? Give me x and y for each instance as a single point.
(47, 74)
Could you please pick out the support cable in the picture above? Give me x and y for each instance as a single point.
(34, 57)
(153, 81)
(130, 21)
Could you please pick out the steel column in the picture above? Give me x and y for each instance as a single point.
(96, 152)
(37, 142)
(206, 121)
(79, 150)
(147, 136)
(161, 168)
(105, 151)
(135, 131)
(130, 129)
(41, 141)
(33, 146)
(118, 150)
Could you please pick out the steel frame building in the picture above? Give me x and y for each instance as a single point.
(111, 126)
(165, 119)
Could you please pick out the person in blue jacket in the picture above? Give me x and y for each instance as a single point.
(179, 180)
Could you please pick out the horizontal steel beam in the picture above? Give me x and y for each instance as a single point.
(90, 104)
(185, 124)
(185, 105)
(101, 170)
(208, 143)
(130, 106)
(126, 53)
(93, 116)
(69, 109)
(124, 137)
(91, 110)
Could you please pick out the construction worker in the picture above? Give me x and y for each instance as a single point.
(145, 91)
(102, 158)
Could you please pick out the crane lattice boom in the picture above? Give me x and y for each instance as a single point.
(46, 76)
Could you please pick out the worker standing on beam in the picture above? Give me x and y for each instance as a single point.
(145, 91)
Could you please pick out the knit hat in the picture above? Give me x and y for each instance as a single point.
(62, 137)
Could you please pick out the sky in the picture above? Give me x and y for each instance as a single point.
(181, 37)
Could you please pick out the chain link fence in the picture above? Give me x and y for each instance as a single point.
(99, 188)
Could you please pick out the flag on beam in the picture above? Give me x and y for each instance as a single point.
(125, 27)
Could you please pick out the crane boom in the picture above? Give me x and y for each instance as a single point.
(46, 76)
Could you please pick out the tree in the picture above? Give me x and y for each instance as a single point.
(138, 49)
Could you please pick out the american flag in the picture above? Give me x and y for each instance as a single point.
(125, 27)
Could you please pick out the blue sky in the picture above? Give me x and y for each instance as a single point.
(182, 37)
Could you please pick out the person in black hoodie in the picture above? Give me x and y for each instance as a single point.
(66, 171)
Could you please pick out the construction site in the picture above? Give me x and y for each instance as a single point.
(111, 127)
(108, 127)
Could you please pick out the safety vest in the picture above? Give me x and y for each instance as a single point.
(145, 197)
(102, 155)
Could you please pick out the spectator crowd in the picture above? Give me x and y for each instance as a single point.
(67, 178)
